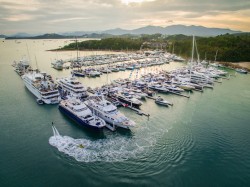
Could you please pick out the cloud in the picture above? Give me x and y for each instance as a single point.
(90, 15)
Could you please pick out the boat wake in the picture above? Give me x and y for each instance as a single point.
(108, 150)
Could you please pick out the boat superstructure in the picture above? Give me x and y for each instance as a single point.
(108, 112)
(58, 64)
(72, 87)
(42, 86)
(79, 112)
(21, 67)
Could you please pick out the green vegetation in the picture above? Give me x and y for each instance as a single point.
(231, 48)
(107, 44)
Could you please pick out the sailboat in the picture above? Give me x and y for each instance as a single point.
(79, 72)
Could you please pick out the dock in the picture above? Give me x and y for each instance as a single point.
(198, 90)
(176, 93)
(151, 97)
(139, 112)
(172, 92)
(218, 81)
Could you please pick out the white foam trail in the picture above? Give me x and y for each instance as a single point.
(112, 149)
(54, 133)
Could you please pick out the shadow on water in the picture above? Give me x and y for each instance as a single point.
(29, 93)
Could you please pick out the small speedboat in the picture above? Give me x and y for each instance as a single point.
(241, 71)
(159, 100)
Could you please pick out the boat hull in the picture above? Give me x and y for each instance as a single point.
(105, 118)
(77, 119)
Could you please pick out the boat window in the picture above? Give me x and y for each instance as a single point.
(88, 116)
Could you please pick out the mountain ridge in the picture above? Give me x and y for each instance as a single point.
(174, 29)
(168, 30)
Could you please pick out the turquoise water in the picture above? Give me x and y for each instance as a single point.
(201, 141)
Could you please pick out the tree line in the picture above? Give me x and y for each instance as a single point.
(230, 47)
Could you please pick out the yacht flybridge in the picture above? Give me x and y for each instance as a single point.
(70, 86)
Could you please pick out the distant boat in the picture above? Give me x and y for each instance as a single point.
(78, 73)
(241, 71)
(58, 64)
(159, 100)
(129, 100)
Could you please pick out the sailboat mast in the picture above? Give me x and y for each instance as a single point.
(76, 50)
(197, 53)
(28, 53)
(215, 55)
(36, 63)
(192, 59)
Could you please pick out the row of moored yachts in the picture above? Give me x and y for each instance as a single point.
(91, 111)
(100, 109)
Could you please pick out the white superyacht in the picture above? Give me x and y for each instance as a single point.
(70, 86)
(108, 112)
(42, 86)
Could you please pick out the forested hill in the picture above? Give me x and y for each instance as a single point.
(107, 44)
(231, 47)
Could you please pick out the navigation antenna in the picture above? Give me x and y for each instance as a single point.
(36, 63)
(76, 50)
(28, 51)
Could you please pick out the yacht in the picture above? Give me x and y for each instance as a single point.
(78, 73)
(94, 73)
(21, 67)
(71, 86)
(139, 93)
(108, 112)
(173, 88)
(241, 71)
(105, 70)
(42, 86)
(80, 113)
(58, 64)
(129, 100)
(186, 86)
(159, 100)
(158, 88)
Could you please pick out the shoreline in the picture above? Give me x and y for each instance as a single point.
(65, 50)
(234, 65)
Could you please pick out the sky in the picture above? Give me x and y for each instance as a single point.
(55, 16)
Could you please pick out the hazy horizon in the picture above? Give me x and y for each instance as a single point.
(43, 16)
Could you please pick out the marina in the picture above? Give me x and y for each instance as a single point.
(130, 92)
(174, 141)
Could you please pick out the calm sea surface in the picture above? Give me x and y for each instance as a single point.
(201, 141)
